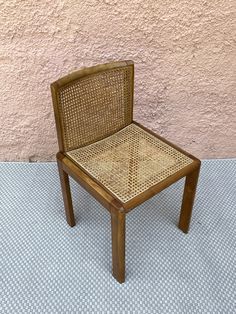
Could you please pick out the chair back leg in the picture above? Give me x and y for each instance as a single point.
(65, 186)
(188, 199)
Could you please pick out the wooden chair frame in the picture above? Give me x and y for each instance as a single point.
(118, 210)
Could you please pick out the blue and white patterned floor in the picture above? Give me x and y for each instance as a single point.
(48, 267)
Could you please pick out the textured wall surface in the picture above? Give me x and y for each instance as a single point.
(185, 56)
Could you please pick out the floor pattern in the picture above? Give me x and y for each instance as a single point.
(48, 267)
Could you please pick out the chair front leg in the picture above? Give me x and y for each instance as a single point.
(188, 199)
(118, 244)
(65, 187)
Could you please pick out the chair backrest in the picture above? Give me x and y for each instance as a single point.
(93, 103)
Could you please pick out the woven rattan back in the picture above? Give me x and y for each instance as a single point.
(93, 103)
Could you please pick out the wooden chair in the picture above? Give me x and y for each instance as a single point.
(118, 161)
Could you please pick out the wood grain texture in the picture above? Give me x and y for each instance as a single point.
(116, 207)
(89, 184)
(66, 193)
(118, 244)
(188, 199)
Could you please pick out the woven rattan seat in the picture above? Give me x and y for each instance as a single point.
(130, 161)
(117, 160)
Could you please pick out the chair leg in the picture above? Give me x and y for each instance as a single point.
(118, 244)
(188, 200)
(65, 187)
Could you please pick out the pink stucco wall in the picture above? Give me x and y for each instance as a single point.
(185, 55)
